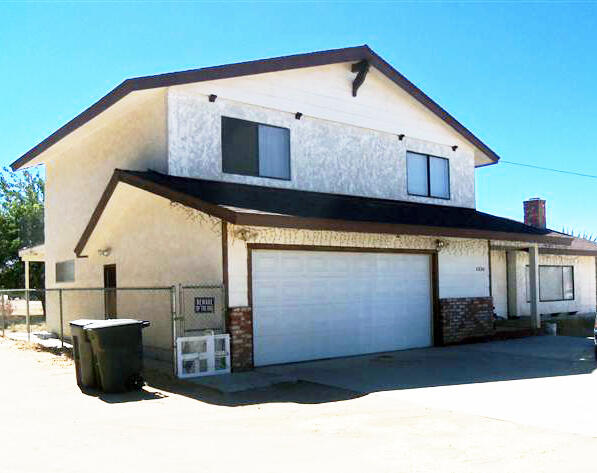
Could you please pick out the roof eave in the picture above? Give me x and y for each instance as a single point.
(296, 61)
(287, 221)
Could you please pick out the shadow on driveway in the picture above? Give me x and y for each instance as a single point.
(348, 378)
(533, 357)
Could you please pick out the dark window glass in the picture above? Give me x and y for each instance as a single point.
(253, 149)
(427, 176)
(239, 147)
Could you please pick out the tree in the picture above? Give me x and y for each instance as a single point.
(21, 225)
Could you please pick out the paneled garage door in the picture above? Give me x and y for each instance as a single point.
(321, 304)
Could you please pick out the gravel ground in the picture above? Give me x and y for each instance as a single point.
(49, 425)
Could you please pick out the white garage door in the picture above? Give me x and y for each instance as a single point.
(321, 304)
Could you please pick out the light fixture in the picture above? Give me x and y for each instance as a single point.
(401, 136)
(212, 97)
(454, 148)
(441, 244)
(298, 115)
(245, 234)
(104, 251)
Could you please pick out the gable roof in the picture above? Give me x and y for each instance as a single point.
(243, 204)
(320, 58)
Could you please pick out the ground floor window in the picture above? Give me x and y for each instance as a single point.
(65, 271)
(556, 283)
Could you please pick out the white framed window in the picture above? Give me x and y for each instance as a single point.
(556, 283)
(427, 176)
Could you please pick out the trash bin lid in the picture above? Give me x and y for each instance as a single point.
(82, 322)
(102, 324)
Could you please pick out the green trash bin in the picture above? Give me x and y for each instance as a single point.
(117, 346)
(82, 353)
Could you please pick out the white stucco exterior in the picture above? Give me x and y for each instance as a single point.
(499, 285)
(584, 284)
(342, 144)
(463, 264)
(349, 146)
(76, 177)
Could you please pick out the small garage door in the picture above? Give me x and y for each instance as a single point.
(321, 304)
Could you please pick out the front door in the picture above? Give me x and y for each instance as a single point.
(110, 291)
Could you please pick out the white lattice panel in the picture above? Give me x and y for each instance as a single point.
(206, 355)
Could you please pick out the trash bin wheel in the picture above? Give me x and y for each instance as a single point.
(135, 382)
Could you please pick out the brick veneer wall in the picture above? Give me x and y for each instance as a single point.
(466, 318)
(240, 326)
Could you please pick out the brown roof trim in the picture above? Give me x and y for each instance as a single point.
(162, 191)
(284, 221)
(282, 63)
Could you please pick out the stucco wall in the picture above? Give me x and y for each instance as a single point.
(584, 284)
(75, 180)
(463, 268)
(153, 243)
(499, 287)
(349, 147)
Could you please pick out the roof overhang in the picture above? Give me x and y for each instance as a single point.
(33, 254)
(568, 251)
(335, 56)
(249, 217)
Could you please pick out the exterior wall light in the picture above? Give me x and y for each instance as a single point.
(441, 244)
(104, 251)
(245, 234)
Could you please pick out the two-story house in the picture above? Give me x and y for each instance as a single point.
(332, 198)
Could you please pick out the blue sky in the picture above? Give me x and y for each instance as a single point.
(521, 76)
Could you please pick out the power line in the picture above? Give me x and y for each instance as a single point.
(573, 173)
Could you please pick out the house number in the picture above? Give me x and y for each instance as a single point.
(480, 268)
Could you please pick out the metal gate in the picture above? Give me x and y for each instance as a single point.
(201, 321)
(201, 311)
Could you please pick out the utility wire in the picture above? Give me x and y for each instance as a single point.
(573, 173)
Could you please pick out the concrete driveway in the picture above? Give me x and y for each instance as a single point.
(48, 425)
(541, 381)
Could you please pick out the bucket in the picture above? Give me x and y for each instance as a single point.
(551, 328)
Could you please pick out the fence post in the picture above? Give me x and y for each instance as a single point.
(61, 321)
(173, 314)
(27, 315)
(3, 314)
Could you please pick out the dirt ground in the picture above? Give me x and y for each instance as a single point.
(49, 425)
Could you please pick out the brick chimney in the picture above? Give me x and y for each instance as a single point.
(534, 212)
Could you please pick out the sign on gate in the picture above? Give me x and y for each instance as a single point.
(201, 308)
(205, 305)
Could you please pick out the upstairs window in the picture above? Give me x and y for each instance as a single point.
(556, 283)
(427, 176)
(65, 271)
(253, 149)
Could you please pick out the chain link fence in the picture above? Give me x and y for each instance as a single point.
(173, 312)
(22, 312)
(202, 310)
